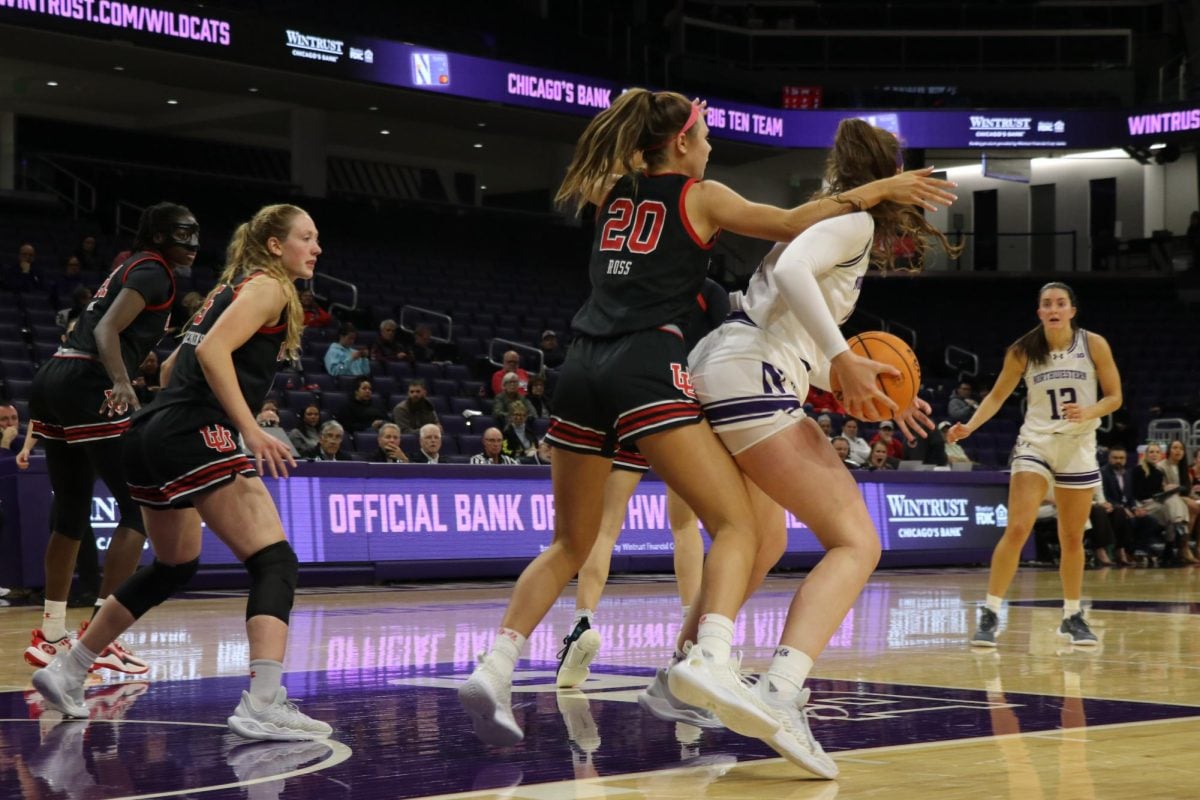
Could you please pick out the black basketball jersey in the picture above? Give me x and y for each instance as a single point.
(647, 263)
(148, 275)
(254, 361)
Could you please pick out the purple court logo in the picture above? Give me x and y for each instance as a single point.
(430, 69)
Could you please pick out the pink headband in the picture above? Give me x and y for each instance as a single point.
(687, 126)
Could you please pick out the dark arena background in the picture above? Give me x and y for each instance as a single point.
(427, 141)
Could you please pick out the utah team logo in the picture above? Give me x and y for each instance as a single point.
(430, 69)
(219, 438)
(681, 379)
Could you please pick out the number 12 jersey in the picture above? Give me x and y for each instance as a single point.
(1066, 376)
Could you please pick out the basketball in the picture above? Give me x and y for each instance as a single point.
(895, 352)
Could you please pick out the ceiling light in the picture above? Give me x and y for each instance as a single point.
(119, 68)
(385, 131)
(483, 188)
(372, 108)
(172, 102)
(254, 90)
(478, 145)
(52, 83)
(481, 124)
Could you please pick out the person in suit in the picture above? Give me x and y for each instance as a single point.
(431, 446)
(1131, 523)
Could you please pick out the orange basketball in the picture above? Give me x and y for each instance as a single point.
(895, 352)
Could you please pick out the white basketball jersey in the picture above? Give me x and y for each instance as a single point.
(1067, 376)
(839, 276)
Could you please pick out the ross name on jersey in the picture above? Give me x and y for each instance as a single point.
(1061, 374)
(193, 338)
(618, 266)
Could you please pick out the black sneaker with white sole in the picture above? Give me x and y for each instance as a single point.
(1076, 629)
(985, 634)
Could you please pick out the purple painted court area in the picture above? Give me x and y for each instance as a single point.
(1149, 606)
(410, 739)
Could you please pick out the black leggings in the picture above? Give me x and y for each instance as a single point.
(73, 469)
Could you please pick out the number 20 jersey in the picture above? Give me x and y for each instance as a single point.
(647, 263)
(1066, 376)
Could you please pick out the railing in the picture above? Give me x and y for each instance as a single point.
(124, 208)
(79, 194)
(498, 347)
(339, 282)
(960, 365)
(413, 316)
(903, 331)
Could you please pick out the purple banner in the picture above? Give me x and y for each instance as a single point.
(347, 513)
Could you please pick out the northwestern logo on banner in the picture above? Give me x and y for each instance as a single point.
(430, 69)
(315, 48)
(1165, 122)
(903, 508)
(105, 512)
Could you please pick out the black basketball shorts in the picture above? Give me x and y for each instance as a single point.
(65, 401)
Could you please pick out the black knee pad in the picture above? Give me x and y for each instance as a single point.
(71, 517)
(150, 585)
(273, 573)
(131, 515)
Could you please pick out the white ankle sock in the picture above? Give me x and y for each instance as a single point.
(993, 602)
(506, 649)
(1070, 608)
(78, 661)
(54, 620)
(789, 669)
(582, 613)
(266, 676)
(716, 636)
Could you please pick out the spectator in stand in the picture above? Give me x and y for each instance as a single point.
(825, 423)
(509, 396)
(24, 276)
(146, 382)
(268, 419)
(330, 448)
(430, 451)
(895, 448)
(64, 288)
(519, 439)
(493, 449)
(963, 404)
(954, 451)
(841, 446)
(388, 348)
(552, 355)
(415, 411)
(306, 436)
(314, 315)
(362, 412)
(1175, 467)
(512, 364)
(543, 456)
(10, 429)
(1161, 500)
(81, 296)
(424, 349)
(88, 255)
(1130, 522)
(388, 451)
(930, 450)
(343, 358)
(823, 402)
(879, 457)
(539, 404)
(860, 449)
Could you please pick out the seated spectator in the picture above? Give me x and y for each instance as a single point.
(511, 364)
(825, 423)
(860, 450)
(963, 403)
(330, 448)
(10, 429)
(493, 449)
(388, 451)
(81, 297)
(552, 355)
(362, 412)
(430, 451)
(1151, 490)
(509, 396)
(841, 446)
(424, 349)
(519, 439)
(306, 436)
(822, 401)
(343, 358)
(24, 276)
(1133, 527)
(929, 449)
(88, 255)
(879, 458)
(64, 288)
(543, 456)
(954, 451)
(1175, 468)
(539, 404)
(388, 347)
(314, 315)
(895, 448)
(146, 382)
(415, 411)
(268, 419)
